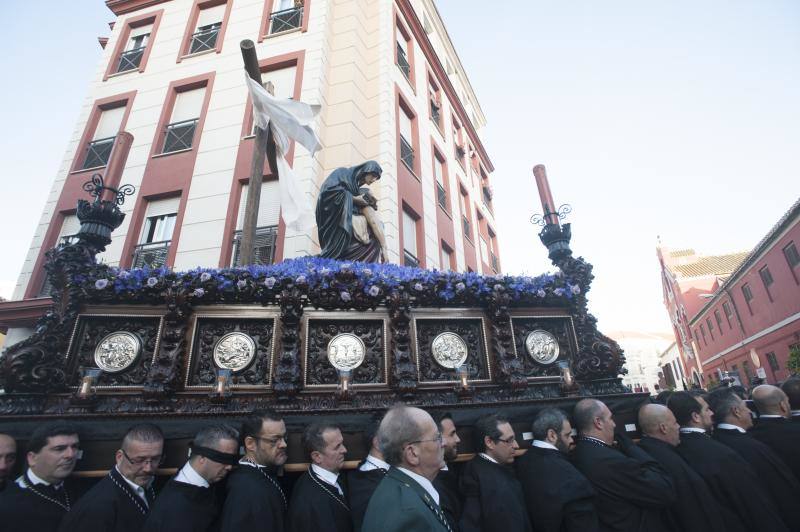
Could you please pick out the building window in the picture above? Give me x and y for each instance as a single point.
(206, 32)
(266, 237)
(406, 138)
(792, 259)
(766, 278)
(728, 313)
(459, 149)
(402, 53)
(131, 57)
(748, 296)
(484, 250)
(493, 262)
(703, 332)
(710, 328)
(447, 258)
(134, 44)
(179, 133)
(286, 15)
(435, 102)
(99, 148)
(410, 257)
(153, 247)
(773, 362)
(718, 319)
(466, 217)
(441, 185)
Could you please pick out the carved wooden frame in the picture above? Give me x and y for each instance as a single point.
(527, 314)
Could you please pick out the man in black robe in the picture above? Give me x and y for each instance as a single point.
(744, 503)
(363, 481)
(558, 497)
(341, 197)
(255, 499)
(733, 419)
(632, 488)
(8, 458)
(493, 499)
(446, 481)
(695, 509)
(319, 503)
(188, 503)
(775, 428)
(121, 500)
(41, 497)
(792, 390)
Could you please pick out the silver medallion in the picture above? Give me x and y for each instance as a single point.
(234, 351)
(346, 351)
(542, 346)
(449, 350)
(117, 351)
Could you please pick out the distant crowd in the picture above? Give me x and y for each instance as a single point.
(726, 460)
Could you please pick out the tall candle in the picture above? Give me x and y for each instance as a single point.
(546, 197)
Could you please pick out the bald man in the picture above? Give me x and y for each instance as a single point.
(774, 427)
(632, 488)
(8, 458)
(696, 509)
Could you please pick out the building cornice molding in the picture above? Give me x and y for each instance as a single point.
(121, 7)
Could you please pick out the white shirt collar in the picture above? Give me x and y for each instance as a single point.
(445, 468)
(328, 476)
(728, 426)
(486, 456)
(767, 416)
(33, 479)
(372, 463)
(424, 482)
(544, 445)
(135, 487)
(188, 475)
(685, 430)
(795, 413)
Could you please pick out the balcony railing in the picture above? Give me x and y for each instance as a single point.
(179, 136)
(467, 227)
(441, 196)
(98, 152)
(410, 260)
(286, 20)
(130, 59)
(494, 262)
(205, 39)
(263, 245)
(402, 62)
(406, 153)
(152, 254)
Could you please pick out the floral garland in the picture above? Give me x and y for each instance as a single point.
(326, 283)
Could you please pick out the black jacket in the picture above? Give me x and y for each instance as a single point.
(745, 505)
(182, 507)
(557, 496)
(21, 510)
(316, 506)
(632, 488)
(110, 506)
(360, 487)
(695, 509)
(446, 484)
(254, 501)
(782, 436)
(493, 499)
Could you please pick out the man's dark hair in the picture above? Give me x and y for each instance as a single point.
(585, 413)
(739, 390)
(549, 418)
(662, 397)
(683, 405)
(721, 401)
(438, 417)
(312, 436)
(210, 436)
(43, 433)
(143, 432)
(252, 424)
(792, 390)
(371, 429)
(487, 425)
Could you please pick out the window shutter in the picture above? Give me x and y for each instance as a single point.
(484, 250)
(437, 166)
(188, 105)
(445, 266)
(210, 15)
(109, 123)
(282, 80)
(402, 42)
(409, 234)
(281, 5)
(405, 127)
(162, 207)
(269, 205)
(70, 226)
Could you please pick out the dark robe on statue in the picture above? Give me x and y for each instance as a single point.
(183, 507)
(493, 500)
(335, 210)
(632, 488)
(783, 437)
(558, 497)
(316, 506)
(744, 503)
(696, 509)
(774, 474)
(446, 484)
(21, 510)
(110, 506)
(360, 487)
(254, 501)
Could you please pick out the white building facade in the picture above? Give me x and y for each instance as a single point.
(391, 89)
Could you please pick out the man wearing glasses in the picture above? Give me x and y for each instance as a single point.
(255, 499)
(406, 499)
(493, 497)
(121, 500)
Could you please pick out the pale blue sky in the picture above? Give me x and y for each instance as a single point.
(677, 119)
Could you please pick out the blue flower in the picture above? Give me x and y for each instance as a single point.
(576, 289)
(460, 287)
(152, 281)
(418, 287)
(241, 284)
(541, 293)
(101, 284)
(301, 279)
(559, 292)
(124, 274)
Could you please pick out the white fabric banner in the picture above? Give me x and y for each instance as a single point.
(288, 119)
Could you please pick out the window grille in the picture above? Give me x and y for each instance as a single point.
(406, 153)
(285, 20)
(152, 254)
(264, 244)
(441, 196)
(130, 59)
(98, 152)
(205, 38)
(402, 62)
(179, 136)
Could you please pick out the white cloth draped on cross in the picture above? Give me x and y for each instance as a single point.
(289, 120)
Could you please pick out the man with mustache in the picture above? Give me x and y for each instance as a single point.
(39, 499)
(8, 457)
(255, 499)
(319, 503)
(121, 501)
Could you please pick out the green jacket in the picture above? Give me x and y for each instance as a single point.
(400, 504)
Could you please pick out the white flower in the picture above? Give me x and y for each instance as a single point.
(101, 283)
(241, 284)
(575, 289)
(366, 272)
(541, 293)
(301, 279)
(124, 274)
(460, 287)
(269, 282)
(345, 296)
(152, 281)
(205, 276)
(198, 292)
(374, 291)
(418, 287)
